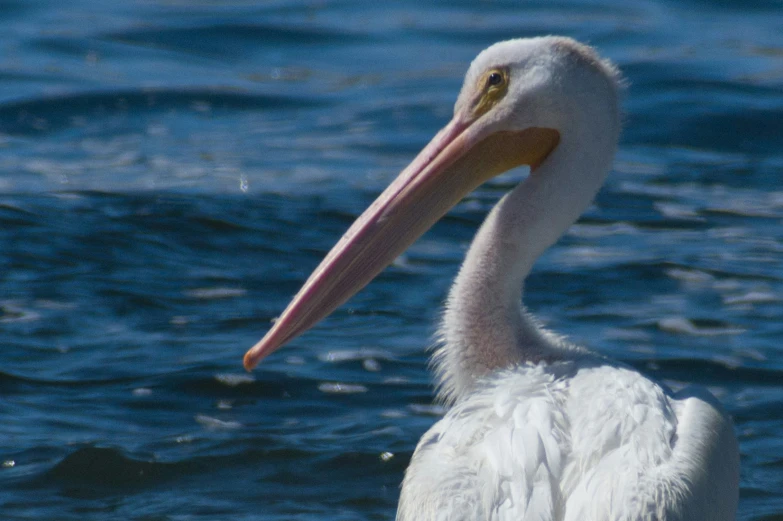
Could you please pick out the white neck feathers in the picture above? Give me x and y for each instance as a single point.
(485, 326)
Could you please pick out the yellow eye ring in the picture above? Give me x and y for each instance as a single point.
(492, 87)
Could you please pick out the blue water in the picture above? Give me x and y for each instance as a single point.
(171, 171)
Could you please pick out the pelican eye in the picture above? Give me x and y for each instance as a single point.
(495, 79)
(492, 87)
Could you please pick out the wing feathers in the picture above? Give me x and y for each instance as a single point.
(565, 442)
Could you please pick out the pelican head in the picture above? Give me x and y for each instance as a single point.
(523, 102)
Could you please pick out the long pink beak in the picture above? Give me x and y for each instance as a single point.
(458, 159)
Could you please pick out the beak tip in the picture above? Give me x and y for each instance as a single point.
(249, 361)
(261, 350)
(254, 355)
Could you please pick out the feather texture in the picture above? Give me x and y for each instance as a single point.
(530, 443)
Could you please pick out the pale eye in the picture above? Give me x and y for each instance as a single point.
(494, 79)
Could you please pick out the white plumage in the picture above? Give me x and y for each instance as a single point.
(581, 440)
(539, 429)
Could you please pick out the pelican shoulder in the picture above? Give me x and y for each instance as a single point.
(585, 440)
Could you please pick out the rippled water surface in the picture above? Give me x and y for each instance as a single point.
(171, 171)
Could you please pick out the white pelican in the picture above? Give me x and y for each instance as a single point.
(539, 429)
